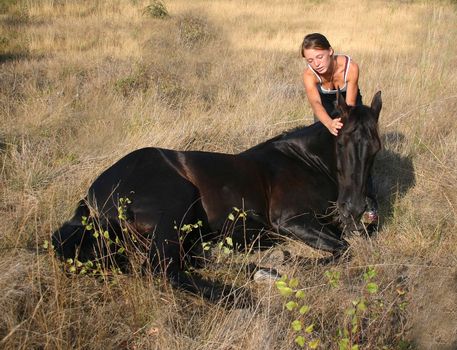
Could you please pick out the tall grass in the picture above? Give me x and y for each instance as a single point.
(84, 82)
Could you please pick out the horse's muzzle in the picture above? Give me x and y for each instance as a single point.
(350, 214)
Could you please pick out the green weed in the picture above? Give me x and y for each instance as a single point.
(295, 303)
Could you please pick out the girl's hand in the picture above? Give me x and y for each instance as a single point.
(334, 126)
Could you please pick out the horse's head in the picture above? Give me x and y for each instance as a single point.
(356, 146)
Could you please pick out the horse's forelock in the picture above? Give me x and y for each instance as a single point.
(361, 116)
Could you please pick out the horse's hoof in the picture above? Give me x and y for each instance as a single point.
(266, 275)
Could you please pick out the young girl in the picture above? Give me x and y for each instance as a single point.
(325, 74)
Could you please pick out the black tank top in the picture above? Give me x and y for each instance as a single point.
(328, 100)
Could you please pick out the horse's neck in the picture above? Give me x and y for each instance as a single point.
(313, 145)
(317, 148)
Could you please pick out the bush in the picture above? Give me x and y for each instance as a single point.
(156, 10)
(194, 30)
(6, 4)
(136, 82)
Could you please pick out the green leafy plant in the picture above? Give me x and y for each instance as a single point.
(112, 241)
(98, 232)
(122, 208)
(226, 245)
(368, 276)
(333, 278)
(183, 231)
(237, 214)
(188, 228)
(296, 305)
(90, 268)
(350, 336)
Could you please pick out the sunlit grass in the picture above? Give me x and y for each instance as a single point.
(84, 82)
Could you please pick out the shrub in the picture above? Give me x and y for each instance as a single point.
(194, 30)
(156, 10)
(128, 85)
(6, 4)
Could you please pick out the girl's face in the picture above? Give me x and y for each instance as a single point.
(319, 59)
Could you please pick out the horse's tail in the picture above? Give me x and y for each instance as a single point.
(88, 238)
(72, 239)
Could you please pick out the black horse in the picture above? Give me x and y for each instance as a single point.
(305, 183)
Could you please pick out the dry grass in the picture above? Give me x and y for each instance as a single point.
(84, 82)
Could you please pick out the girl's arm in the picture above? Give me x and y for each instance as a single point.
(352, 81)
(316, 104)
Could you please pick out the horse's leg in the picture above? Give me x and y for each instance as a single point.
(166, 257)
(322, 237)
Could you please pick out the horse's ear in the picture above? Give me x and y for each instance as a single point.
(341, 104)
(376, 104)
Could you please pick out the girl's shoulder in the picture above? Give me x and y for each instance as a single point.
(342, 56)
(347, 65)
(344, 59)
(309, 74)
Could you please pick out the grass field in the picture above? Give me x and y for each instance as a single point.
(83, 82)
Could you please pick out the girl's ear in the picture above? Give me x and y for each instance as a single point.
(331, 52)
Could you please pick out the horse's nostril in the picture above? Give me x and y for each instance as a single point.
(350, 210)
(345, 213)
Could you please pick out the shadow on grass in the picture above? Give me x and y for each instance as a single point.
(393, 174)
(6, 57)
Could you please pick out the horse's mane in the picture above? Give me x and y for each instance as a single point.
(299, 131)
(306, 134)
